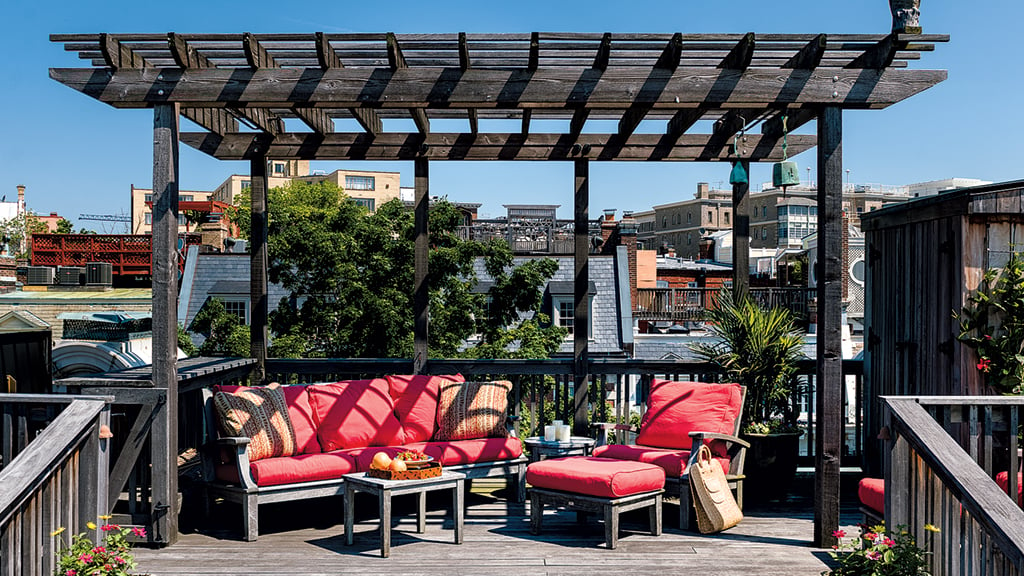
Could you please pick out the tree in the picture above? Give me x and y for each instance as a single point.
(350, 274)
(16, 231)
(225, 334)
(64, 226)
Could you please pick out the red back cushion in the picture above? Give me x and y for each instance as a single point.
(675, 409)
(354, 414)
(415, 398)
(299, 412)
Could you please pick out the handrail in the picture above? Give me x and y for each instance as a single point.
(979, 496)
(48, 450)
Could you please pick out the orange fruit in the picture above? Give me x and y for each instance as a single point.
(398, 465)
(381, 461)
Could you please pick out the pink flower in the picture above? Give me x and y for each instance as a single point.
(984, 364)
(70, 572)
(119, 560)
(988, 336)
(99, 550)
(873, 555)
(85, 558)
(889, 542)
(870, 535)
(139, 531)
(839, 534)
(108, 567)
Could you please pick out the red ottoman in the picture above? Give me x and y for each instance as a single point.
(871, 493)
(588, 484)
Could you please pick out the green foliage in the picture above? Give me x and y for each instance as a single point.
(758, 348)
(225, 334)
(15, 231)
(64, 226)
(992, 323)
(111, 556)
(351, 277)
(880, 553)
(185, 342)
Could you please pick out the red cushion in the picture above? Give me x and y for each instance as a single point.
(415, 398)
(299, 412)
(674, 409)
(602, 477)
(1003, 479)
(672, 461)
(355, 414)
(457, 452)
(871, 492)
(302, 468)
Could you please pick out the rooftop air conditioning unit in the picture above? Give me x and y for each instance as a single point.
(99, 273)
(39, 276)
(70, 275)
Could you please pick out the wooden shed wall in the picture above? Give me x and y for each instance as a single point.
(26, 357)
(924, 258)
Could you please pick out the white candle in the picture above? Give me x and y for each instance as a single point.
(564, 433)
(549, 433)
(557, 423)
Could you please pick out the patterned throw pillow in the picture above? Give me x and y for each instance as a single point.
(467, 410)
(259, 414)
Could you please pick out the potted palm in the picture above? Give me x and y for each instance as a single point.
(759, 348)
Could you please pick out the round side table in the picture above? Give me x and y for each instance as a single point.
(540, 448)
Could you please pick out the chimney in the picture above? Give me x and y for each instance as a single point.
(702, 189)
(608, 227)
(627, 237)
(706, 246)
(21, 198)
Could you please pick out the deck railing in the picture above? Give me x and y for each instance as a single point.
(690, 304)
(53, 475)
(941, 456)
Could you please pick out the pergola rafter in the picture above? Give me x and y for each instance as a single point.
(673, 97)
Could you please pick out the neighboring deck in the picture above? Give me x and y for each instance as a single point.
(308, 538)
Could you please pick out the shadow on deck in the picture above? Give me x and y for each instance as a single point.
(308, 538)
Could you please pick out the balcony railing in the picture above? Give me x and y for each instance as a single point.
(691, 304)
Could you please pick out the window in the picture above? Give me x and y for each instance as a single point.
(185, 198)
(278, 167)
(689, 218)
(782, 232)
(565, 313)
(726, 216)
(711, 216)
(182, 220)
(783, 210)
(764, 233)
(239, 308)
(246, 184)
(693, 294)
(367, 203)
(149, 197)
(149, 218)
(689, 239)
(764, 211)
(664, 221)
(359, 183)
(812, 210)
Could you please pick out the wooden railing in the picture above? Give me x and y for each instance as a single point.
(941, 456)
(690, 304)
(54, 475)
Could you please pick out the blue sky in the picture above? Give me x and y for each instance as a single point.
(76, 155)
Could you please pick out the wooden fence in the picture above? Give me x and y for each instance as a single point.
(940, 459)
(53, 475)
(690, 304)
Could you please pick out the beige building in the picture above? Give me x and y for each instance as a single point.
(680, 225)
(142, 213)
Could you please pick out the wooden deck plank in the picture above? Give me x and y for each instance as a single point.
(302, 538)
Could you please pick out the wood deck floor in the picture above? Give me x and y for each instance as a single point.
(308, 538)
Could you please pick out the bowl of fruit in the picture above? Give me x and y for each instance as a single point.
(414, 459)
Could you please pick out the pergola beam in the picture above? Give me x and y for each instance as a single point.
(490, 146)
(810, 56)
(500, 89)
(396, 60)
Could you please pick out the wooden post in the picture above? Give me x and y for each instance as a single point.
(581, 299)
(258, 300)
(165, 322)
(421, 297)
(741, 234)
(92, 496)
(829, 437)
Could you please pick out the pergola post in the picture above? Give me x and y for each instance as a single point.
(258, 299)
(165, 322)
(741, 234)
(828, 441)
(421, 297)
(581, 297)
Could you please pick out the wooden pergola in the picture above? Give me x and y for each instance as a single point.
(711, 97)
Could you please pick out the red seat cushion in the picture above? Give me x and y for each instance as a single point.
(455, 452)
(299, 412)
(871, 492)
(674, 409)
(1003, 479)
(672, 461)
(602, 477)
(302, 468)
(415, 398)
(355, 414)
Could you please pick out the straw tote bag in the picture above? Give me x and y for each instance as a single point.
(716, 508)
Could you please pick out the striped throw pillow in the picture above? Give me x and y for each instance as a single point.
(467, 410)
(259, 414)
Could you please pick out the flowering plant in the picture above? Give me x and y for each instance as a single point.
(880, 553)
(992, 323)
(112, 556)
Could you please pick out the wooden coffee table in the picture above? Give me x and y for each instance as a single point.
(385, 489)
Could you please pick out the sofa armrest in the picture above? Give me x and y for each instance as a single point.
(237, 447)
(512, 425)
(604, 427)
(736, 447)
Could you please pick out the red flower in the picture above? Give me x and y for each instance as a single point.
(839, 533)
(139, 531)
(984, 364)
